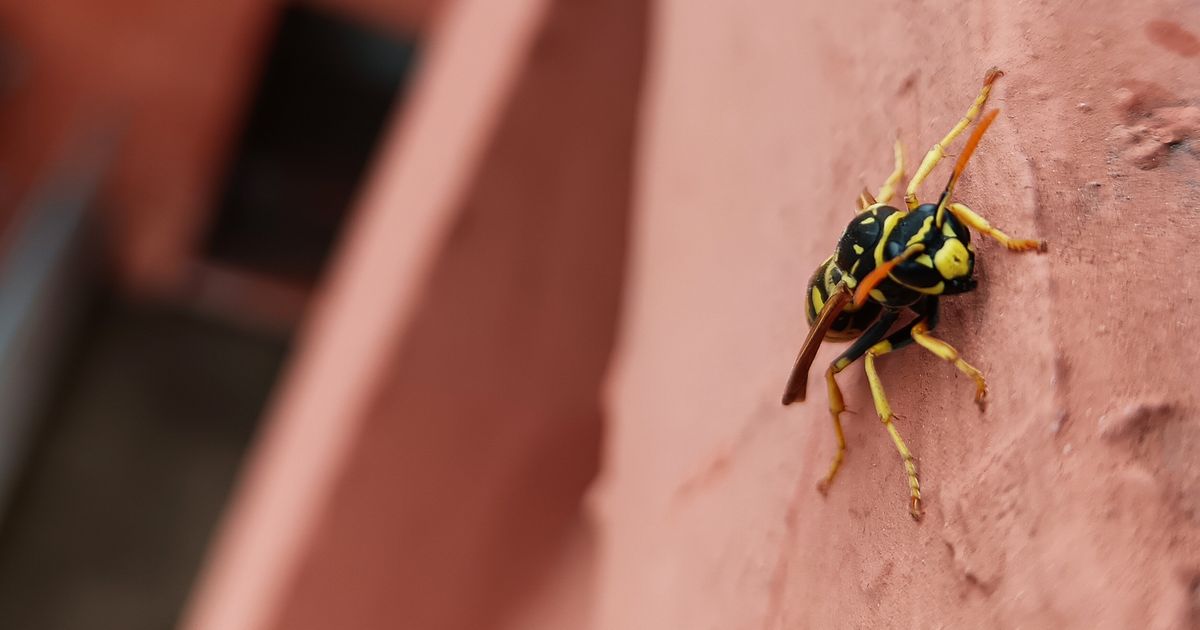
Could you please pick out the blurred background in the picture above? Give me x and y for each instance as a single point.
(470, 314)
(261, 314)
(173, 182)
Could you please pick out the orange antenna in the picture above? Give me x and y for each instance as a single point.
(875, 277)
(959, 166)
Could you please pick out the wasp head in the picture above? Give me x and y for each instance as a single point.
(947, 264)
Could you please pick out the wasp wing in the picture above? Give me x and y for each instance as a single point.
(797, 383)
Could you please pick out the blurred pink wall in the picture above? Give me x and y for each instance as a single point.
(176, 78)
(426, 461)
(105, 63)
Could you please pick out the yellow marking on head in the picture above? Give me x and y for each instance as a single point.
(878, 296)
(948, 231)
(849, 280)
(924, 259)
(854, 267)
(858, 249)
(817, 300)
(868, 219)
(952, 259)
(920, 235)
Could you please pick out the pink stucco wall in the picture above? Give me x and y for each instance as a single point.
(1073, 500)
(421, 463)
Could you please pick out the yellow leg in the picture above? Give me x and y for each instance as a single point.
(946, 352)
(889, 186)
(885, 416)
(868, 339)
(836, 406)
(937, 152)
(981, 225)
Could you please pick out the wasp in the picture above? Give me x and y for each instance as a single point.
(890, 261)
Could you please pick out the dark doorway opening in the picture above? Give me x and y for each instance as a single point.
(328, 87)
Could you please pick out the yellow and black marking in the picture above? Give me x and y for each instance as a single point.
(890, 260)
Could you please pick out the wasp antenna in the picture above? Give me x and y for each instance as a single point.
(961, 164)
(875, 277)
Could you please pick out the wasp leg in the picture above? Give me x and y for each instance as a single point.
(937, 152)
(889, 186)
(837, 404)
(946, 352)
(865, 200)
(885, 416)
(981, 225)
(918, 330)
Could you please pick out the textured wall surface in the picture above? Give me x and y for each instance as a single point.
(1073, 500)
